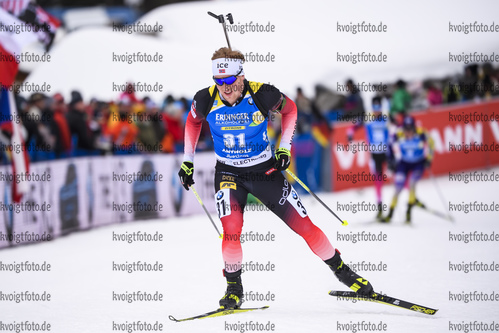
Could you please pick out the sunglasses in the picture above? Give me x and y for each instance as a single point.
(227, 80)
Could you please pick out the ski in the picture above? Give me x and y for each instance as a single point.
(217, 313)
(384, 299)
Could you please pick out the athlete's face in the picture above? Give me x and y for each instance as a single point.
(231, 92)
(409, 132)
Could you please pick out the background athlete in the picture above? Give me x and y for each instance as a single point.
(411, 151)
(237, 112)
(377, 138)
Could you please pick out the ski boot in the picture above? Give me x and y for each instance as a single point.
(387, 218)
(348, 277)
(379, 216)
(408, 213)
(419, 204)
(416, 203)
(233, 297)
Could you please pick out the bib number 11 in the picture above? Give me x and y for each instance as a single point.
(222, 198)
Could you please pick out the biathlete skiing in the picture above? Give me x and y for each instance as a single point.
(377, 138)
(237, 111)
(410, 153)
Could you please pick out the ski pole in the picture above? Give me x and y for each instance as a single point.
(439, 214)
(206, 210)
(449, 217)
(436, 213)
(343, 222)
(221, 19)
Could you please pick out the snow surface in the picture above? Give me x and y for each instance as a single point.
(417, 256)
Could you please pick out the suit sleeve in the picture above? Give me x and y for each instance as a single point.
(288, 122)
(390, 154)
(274, 101)
(430, 145)
(194, 123)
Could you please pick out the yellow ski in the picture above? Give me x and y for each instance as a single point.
(217, 313)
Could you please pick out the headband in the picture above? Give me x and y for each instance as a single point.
(227, 66)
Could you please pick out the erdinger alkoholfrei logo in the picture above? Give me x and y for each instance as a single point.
(144, 191)
(232, 118)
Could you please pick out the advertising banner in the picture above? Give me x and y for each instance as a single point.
(82, 193)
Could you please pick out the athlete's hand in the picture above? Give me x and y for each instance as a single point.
(186, 174)
(282, 159)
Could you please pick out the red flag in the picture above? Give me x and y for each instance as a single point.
(34, 17)
(18, 156)
(11, 43)
(8, 68)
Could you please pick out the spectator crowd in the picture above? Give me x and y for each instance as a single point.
(476, 83)
(57, 128)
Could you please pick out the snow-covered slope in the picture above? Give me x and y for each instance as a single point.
(417, 259)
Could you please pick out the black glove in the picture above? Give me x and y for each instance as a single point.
(186, 174)
(282, 159)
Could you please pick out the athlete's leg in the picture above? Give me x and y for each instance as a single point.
(416, 174)
(376, 166)
(400, 179)
(280, 197)
(230, 200)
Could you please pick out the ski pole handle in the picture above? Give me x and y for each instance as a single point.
(221, 20)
